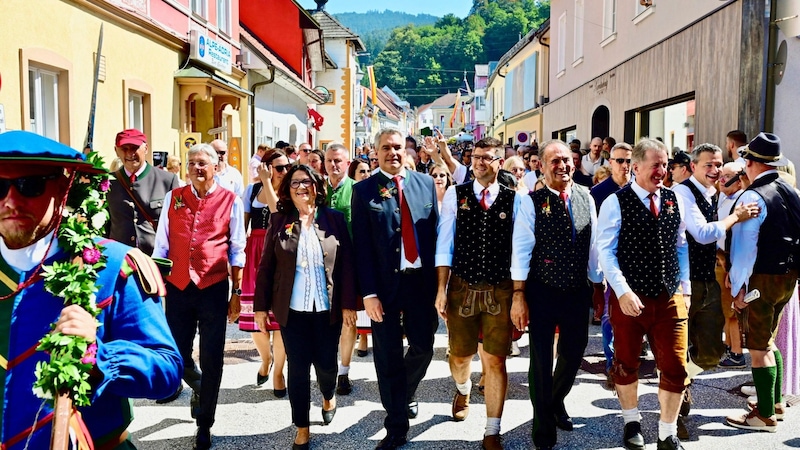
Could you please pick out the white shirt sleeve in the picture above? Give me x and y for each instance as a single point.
(161, 247)
(523, 238)
(609, 221)
(238, 238)
(593, 272)
(702, 231)
(446, 229)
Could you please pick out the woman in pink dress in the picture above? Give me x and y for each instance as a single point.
(260, 200)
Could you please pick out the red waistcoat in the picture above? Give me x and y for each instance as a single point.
(199, 231)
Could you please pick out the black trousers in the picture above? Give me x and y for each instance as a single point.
(398, 374)
(310, 339)
(205, 310)
(549, 307)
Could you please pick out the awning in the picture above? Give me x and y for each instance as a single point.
(209, 84)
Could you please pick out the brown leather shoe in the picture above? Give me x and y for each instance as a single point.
(460, 406)
(754, 421)
(492, 442)
(779, 411)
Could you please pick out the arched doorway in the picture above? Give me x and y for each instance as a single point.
(600, 122)
(293, 134)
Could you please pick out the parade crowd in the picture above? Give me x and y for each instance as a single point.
(679, 252)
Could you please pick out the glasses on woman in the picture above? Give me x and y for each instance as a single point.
(306, 183)
(282, 168)
(438, 175)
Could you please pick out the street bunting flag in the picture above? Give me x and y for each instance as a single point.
(371, 71)
(455, 109)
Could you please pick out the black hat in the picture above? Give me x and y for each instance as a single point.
(765, 148)
(682, 158)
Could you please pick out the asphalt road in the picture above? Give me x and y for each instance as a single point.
(251, 417)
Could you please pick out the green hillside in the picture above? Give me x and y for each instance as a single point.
(375, 27)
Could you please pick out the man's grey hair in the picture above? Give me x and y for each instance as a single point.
(337, 147)
(543, 147)
(643, 146)
(204, 149)
(622, 145)
(385, 132)
(704, 148)
(218, 144)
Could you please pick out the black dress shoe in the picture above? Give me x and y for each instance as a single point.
(261, 379)
(343, 385)
(327, 416)
(172, 397)
(564, 421)
(412, 409)
(391, 442)
(280, 393)
(300, 446)
(670, 443)
(194, 405)
(632, 437)
(362, 353)
(202, 438)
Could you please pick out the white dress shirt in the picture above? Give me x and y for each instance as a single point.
(609, 222)
(404, 263)
(309, 291)
(230, 179)
(252, 167)
(724, 207)
(237, 240)
(744, 241)
(702, 231)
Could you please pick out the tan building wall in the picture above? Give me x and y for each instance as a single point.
(134, 61)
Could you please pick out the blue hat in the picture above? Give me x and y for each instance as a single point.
(27, 147)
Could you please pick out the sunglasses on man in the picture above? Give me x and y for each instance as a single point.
(28, 187)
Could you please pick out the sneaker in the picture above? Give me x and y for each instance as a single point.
(460, 406)
(749, 390)
(514, 348)
(779, 408)
(733, 361)
(754, 421)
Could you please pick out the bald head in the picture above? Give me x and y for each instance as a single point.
(221, 147)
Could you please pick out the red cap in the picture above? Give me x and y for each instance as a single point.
(131, 136)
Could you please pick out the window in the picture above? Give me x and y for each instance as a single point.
(644, 8)
(43, 96)
(642, 5)
(199, 7)
(136, 111)
(562, 43)
(578, 32)
(224, 16)
(609, 18)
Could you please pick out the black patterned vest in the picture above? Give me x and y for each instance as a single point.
(259, 217)
(557, 260)
(779, 234)
(647, 250)
(702, 258)
(482, 247)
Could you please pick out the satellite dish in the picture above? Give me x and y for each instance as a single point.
(780, 63)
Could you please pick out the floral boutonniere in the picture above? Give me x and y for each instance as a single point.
(178, 203)
(388, 191)
(289, 228)
(546, 207)
(464, 204)
(670, 206)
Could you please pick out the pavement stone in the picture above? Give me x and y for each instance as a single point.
(251, 417)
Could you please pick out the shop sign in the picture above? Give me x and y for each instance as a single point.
(210, 51)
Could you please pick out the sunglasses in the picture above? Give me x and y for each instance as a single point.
(306, 150)
(222, 153)
(29, 187)
(306, 183)
(438, 175)
(373, 160)
(622, 160)
(282, 168)
(363, 171)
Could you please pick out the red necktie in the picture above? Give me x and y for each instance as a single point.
(406, 224)
(653, 209)
(484, 204)
(133, 178)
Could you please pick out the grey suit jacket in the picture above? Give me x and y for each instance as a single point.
(128, 224)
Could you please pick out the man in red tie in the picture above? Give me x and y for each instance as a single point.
(476, 233)
(644, 254)
(557, 290)
(202, 231)
(396, 212)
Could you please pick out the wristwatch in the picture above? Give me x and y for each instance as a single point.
(236, 292)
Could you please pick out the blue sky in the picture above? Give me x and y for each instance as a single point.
(438, 8)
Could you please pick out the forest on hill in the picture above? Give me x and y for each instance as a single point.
(375, 27)
(423, 62)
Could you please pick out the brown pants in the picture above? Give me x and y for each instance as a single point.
(664, 322)
(759, 321)
(472, 308)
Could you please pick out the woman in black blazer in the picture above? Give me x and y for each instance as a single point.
(306, 279)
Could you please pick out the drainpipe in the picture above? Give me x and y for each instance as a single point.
(253, 108)
(772, 50)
